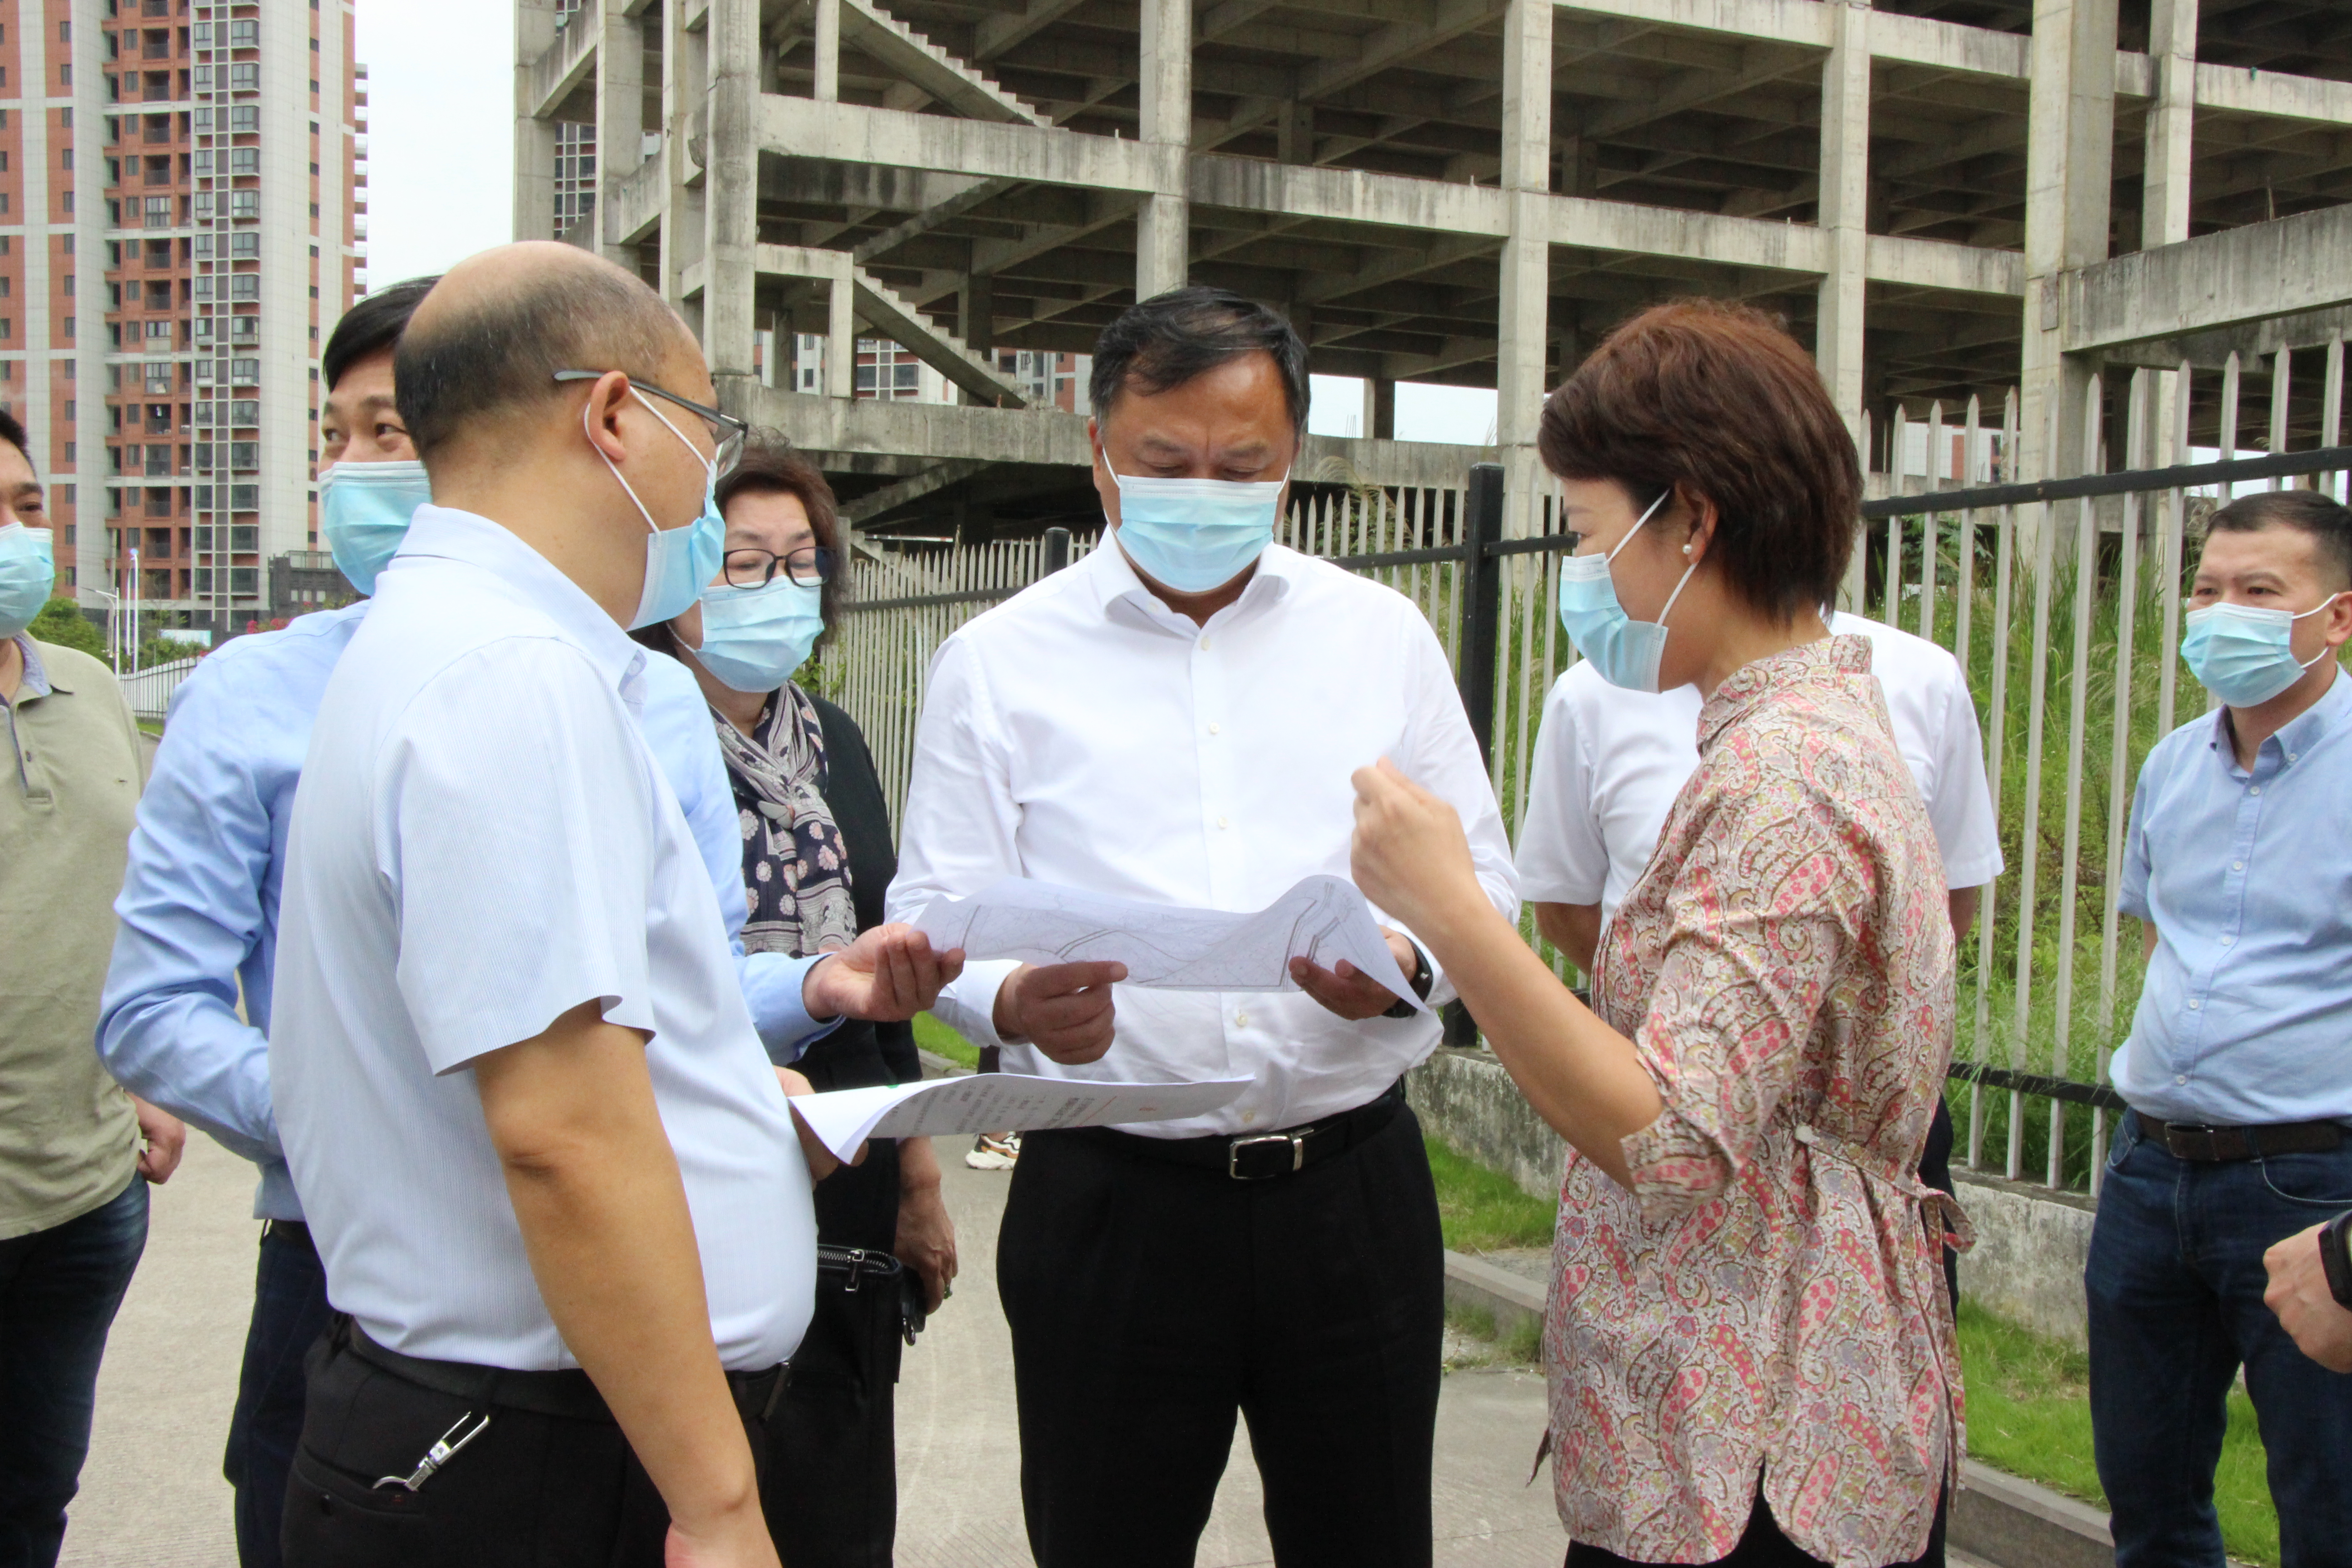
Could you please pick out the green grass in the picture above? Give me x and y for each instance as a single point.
(2030, 1414)
(1521, 1346)
(1482, 1210)
(936, 1037)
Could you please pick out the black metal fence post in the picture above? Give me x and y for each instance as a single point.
(1481, 642)
(1057, 549)
(1482, 609)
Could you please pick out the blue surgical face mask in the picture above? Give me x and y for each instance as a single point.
(1194, 535)
(1625, 651)
(754, 638)
(26, 575)
(364, 513)
(678, 561)
(2244, 653)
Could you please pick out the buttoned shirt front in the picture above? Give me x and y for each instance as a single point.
(1609, 763)
(1085, 733)
(68, 1138)
(2246, 1013)
(482, 841)
(199, 904)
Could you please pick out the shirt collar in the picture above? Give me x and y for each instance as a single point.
(2298, 735)
(1831, 661)
(1115, 581)
(448, 534)
(36, 681)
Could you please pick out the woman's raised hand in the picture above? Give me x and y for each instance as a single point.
(1410, 855)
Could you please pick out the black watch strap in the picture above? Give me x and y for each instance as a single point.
(1423, 980)
(2336, 1260)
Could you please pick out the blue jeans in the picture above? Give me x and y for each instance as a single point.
(2175, 1283)
(290, 1313)
(58, 1291)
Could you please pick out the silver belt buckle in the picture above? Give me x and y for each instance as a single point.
(1298, 1141)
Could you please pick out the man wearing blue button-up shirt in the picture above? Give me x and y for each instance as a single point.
(2239, 1065)
(199, 914)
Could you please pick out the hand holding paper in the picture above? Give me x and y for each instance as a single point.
(1323, 919)
(991, 1102)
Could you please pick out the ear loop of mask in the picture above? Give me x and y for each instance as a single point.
(1630, 532)
(588, 428)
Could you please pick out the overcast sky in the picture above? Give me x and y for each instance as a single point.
(441, 167)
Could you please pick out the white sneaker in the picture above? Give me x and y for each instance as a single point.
(995, 1153)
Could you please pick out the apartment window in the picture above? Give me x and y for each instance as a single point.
(244, 498)
(245, 372)
(241, 245)
(204, 462)
(245, 117)
(245, 77)
(245, 286)
(245, 204)
(244, 34)
(246, 580)
(159, 461)
(244, 328)
(205, 214)
(159, 211)
(204, 372)
(203, 417)
(68, 285)
(244, 160)
(245, 411)
(204, 331)
(69, 326)
(159, 375)
(205, 287)
(245, 455)
(159, 330)
(204, 163)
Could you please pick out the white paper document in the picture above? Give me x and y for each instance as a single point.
(995, 1101)
(1168, 946)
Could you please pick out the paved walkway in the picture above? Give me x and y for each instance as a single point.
(152, 1496)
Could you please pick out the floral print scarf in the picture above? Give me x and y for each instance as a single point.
(795, 866)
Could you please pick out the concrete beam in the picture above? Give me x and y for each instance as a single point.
(2288, 267)
(890, 315)
(557, 72)
(2275, 93)
(923, 64)
(913, 487)
(853, 133)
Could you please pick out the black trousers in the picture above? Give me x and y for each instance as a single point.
(1149, 1302)
(1762, 1545)
(536, 1489)
(290, 1313)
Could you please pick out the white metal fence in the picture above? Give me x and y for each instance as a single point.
(150, 689)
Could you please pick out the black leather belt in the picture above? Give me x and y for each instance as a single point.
(569, 1394)
(2207, 1145)
(1263, 1156)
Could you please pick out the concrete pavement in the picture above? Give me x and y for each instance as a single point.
(152, 1497)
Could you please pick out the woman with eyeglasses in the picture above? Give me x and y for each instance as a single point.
(817, 858)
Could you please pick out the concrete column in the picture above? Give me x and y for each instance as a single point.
(1164, 94)
(2163, 189)
(827, 41)
(841, 340)
(620, 116)
(1379, 408)
(1522, 322)
(534, 139)
(684, 55)
(2070, 164)
(1844, 208)
(1294, 133)
(976, 313)
(731, 191)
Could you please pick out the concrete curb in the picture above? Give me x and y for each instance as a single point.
(2005, 1520)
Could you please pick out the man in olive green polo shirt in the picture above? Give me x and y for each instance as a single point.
(73, 1175)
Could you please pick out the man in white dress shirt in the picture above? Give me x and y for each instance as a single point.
(1609, 762)
(556, 1188)
(1174, 719)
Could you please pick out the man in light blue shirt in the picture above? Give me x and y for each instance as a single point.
(2239, 1065)
(200, 903)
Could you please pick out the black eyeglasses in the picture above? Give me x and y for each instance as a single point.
(727, 432)
(809, 566)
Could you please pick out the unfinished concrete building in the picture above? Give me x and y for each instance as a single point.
(1949, 197)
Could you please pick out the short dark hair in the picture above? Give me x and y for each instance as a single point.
(2315, 512)
(497, 357)
(371, 326)
(1717, 397)
(11, 430)
(1162, 342)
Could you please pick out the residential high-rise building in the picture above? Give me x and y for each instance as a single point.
(181, 215)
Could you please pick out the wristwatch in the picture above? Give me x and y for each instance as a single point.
(2336, 1259)
(1422, 979)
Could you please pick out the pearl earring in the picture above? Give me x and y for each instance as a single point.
(1686, 550)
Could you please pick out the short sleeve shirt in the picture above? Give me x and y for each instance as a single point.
(1609, 763)
(482, 842)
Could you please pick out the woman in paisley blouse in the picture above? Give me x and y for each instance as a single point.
(817, 858)
(1748, 1342)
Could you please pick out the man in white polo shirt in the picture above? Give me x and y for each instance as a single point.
(1609, 762)
(559, 1194)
